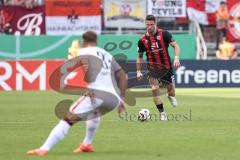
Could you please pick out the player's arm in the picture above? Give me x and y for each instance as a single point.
(141, 49)
(169, 39)
(122, 81)
(121, 78)
(138, 65)
(176, 54)
(122, 85)
(176, 49)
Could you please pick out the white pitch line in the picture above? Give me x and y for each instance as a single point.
(215, 96)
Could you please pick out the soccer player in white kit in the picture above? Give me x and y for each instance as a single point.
(106, 85)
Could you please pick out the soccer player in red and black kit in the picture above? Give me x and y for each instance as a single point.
(155, 43)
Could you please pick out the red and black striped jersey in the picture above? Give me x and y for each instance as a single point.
(156, 48)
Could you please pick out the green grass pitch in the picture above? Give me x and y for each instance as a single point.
(205, 126)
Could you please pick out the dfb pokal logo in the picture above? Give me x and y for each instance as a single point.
(30, 23)
(234, 21)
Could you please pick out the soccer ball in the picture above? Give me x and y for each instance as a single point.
(143, 115)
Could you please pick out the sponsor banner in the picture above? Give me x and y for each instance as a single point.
(234, 20)
(208, 73)
(124, 13)
(195, 74)
(167, 8)
(72, 17)
(22, 21)
(35, 75)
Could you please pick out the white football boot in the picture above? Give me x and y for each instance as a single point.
(163, 116)
(172, 100)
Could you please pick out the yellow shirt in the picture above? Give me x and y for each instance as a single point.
(73, 52)
(73, 49)
(227, 49)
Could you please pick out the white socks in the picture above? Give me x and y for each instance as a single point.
(57, 134)
(91, 128)
(61, 129)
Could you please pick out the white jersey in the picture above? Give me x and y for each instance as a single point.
(105, 79)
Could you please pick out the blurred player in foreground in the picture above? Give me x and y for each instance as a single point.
(102, 96)
(155, 43)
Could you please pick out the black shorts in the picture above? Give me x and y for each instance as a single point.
(166, 77)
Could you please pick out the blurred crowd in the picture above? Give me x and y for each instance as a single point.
(222, 16)
(225, 50)
(24, 3)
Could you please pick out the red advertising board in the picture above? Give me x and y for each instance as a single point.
(234, 20)
(35, 75)
(20, 20)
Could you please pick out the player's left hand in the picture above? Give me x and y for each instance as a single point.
(121, 108)
(176, 63)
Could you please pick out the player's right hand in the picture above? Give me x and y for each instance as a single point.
(139, 75)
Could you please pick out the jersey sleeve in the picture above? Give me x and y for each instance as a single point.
(141, 47)
(115, 66)
(167, 36)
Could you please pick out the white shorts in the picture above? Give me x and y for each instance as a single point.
(102, 103)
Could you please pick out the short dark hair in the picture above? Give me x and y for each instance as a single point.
(150, 18)
(222, 2)
(89, 36)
